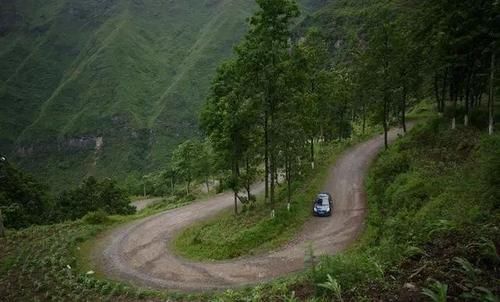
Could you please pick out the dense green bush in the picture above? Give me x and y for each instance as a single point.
(92, 196)
(489, 158)
(97, 217)
(23, 200)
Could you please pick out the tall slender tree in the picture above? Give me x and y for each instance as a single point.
(262, 54)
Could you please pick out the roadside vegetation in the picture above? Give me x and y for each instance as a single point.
(24, 201)
(432, 231)
(228, 236)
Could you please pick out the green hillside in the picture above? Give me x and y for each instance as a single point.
(108, 88)
(342, 23)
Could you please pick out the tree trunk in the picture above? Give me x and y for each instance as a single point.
(386, 128)
(386, 91)
(272, 162)
(403, 109)
(289, 180)
(248, 182)
(172, 185)
(443, 91)
(364, 118)
(436, 92)
(2, 228)
(454, 96)
(386, 143)
(312, 152)
(266, 157)
(341, 123)
(235, 187)
(235, 203)
(467, 98)
(208, 185)
(491, 99)
(272, 184)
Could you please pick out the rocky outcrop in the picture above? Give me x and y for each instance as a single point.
(82, 143)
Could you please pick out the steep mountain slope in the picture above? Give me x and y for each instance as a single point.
(108, 88)
(343, 24)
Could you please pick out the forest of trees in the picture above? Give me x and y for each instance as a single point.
(279, 95)
(24, 201)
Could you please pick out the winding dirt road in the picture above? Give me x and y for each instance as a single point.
(137, 252)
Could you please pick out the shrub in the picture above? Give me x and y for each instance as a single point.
(97, 217)
(437, 291)
(92, 196)
(348, 269)
(23, 200)
(489, 158)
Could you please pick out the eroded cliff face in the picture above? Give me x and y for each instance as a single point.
(83, 143)
(63, 162)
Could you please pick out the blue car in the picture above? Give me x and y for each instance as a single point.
(323, 205)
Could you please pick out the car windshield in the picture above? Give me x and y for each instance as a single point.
(322, 202)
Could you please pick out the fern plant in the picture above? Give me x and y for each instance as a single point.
(291, 298)
(480, 294)
(333, 286)
(437, 291)
(467, 268)
(486, 247)
(441, 226)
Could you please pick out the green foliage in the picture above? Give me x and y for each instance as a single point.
(348, 269)
(333, 286)
(92, 196)
(437, 291)
(467, 268)
(39, 263)
(98, 217)
(23, 200)
(486, 249)
(489, 159)
(185, 160)
(480, 293)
